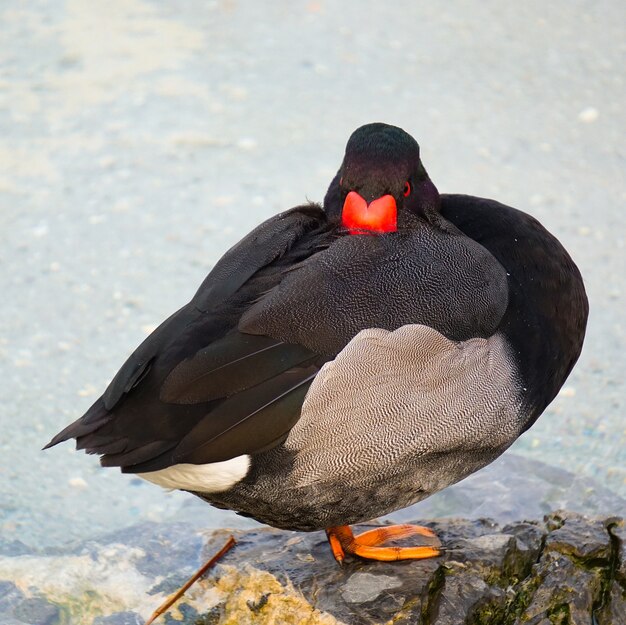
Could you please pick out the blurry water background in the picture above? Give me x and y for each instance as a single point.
(141, 139)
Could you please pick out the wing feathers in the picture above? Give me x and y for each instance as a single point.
(229, 366)
(269, 241)
(263, 245)
(161, 397)
(230, 429)
(138, 364)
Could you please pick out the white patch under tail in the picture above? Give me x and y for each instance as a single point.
(214, 477)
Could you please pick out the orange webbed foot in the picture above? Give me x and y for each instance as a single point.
(368, 544)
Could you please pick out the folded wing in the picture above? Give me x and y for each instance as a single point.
(199, 391)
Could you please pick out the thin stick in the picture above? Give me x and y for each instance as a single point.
(169, 602)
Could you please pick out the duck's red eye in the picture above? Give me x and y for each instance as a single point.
(407, 189)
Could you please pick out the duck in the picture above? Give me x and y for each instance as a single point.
(347, 359)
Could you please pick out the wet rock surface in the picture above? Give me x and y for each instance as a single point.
(565, 570)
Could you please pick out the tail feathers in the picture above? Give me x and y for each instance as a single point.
(139, 455)
(95, 444)
(92, 420)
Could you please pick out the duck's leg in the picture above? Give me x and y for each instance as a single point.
(169, 602)
(367, 545)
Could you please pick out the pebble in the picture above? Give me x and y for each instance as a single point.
(121, 206)
(87, 391)
(40, 230)
(77, 482)
(588, 115)
(236, 92)
(247, 143)
(223, 200)
(106, 162)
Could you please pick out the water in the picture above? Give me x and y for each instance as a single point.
(139, 141)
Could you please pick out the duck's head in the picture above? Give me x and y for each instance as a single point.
(380, 180)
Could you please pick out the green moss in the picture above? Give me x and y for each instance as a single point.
(609, 574)
(84, 608)
(521, 598)
(554, 521)
(433, 590)
(492, 613)
(559, 614)
(409, 608)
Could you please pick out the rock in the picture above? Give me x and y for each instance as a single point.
(565, 570)
(10, 597)
(614, 610)
(13, 548)
(37, 611)
(618, 532)
(468, 596)
(561, 588)
(578, 537)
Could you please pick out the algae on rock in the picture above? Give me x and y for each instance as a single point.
(566, 570)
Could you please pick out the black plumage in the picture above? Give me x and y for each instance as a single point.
(227, 374)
